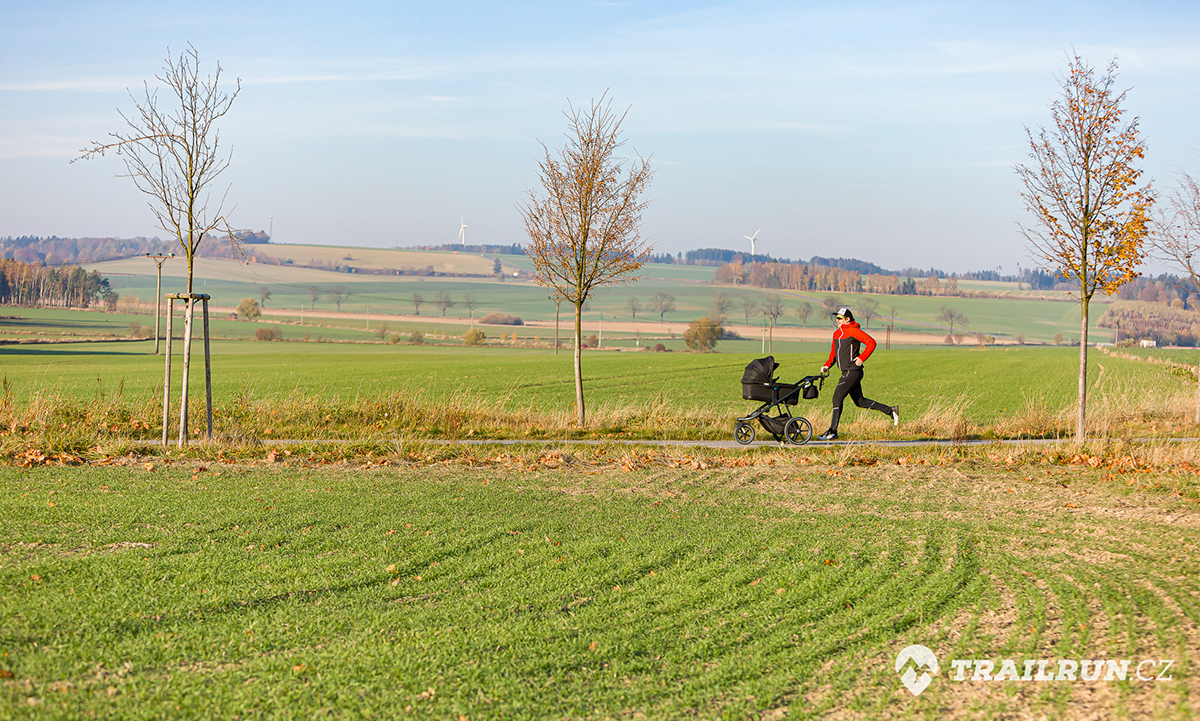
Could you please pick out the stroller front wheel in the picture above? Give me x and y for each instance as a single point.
(798, 431)
(743, 433)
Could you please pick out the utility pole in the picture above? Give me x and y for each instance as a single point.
(368, 316)
(557, 307)
(159, 259)
(600, 340)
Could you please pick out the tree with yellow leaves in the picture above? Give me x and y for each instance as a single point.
(584, 231)
(1091, 218)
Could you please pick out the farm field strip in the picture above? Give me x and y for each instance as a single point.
(583, 590)
(1036, 319)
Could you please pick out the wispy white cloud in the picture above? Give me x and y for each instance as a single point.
(38, 146)
(79, 85)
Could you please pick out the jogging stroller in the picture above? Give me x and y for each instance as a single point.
(760, 384)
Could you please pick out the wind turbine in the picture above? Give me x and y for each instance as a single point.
(462, 231)
(751, 239)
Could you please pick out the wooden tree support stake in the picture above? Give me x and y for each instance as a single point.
(189, 314)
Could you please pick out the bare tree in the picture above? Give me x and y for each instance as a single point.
(831, 304)
(264, 294)
(1091, 219)
(868, 308)
(471, 302)
(804, 311)
(663, 303)
(338, 294)
(951, 316)
(313, 294)
(442, 300)
(584, 232)
(772, 308)
(172, 152)
(721, 305)
(1177, 240)
(417, 300)
(749, 307)
(634, 304)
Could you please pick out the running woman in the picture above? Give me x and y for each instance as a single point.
(848, 352)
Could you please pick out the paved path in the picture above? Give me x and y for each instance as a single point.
(729, 444)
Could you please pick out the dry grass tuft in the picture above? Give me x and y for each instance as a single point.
(944, 418)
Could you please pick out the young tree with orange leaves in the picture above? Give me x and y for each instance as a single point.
(1091, 218)
(584, 232)
(1177, 239)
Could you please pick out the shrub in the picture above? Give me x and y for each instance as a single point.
(702, 334)
(592, 342)
(1020, 339)
(1058, 339)
(248, 309)
(473, 337)
(660, 348)
(501, 319)
(416, 337)
(268, 334)
(394, 339)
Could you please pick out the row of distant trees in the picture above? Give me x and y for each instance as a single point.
(54, 251)
(29, 285)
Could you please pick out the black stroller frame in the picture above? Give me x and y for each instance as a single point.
(760, 384)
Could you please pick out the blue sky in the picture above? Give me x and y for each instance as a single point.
(881, 131)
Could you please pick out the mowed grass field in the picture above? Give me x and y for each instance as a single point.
(543, 582)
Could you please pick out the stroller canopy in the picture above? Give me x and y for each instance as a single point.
(761, 371)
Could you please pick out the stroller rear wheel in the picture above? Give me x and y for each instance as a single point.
(798, 431)
(743, 433)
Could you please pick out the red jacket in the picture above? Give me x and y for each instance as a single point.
(848, 342)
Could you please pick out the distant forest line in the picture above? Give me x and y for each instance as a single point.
(732, 267)
(53, 251)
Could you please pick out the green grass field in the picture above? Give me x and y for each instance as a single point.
(540, 584)
(309, 390)
(994, 382)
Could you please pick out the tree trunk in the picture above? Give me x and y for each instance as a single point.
(579, 416)
(1081, 409)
